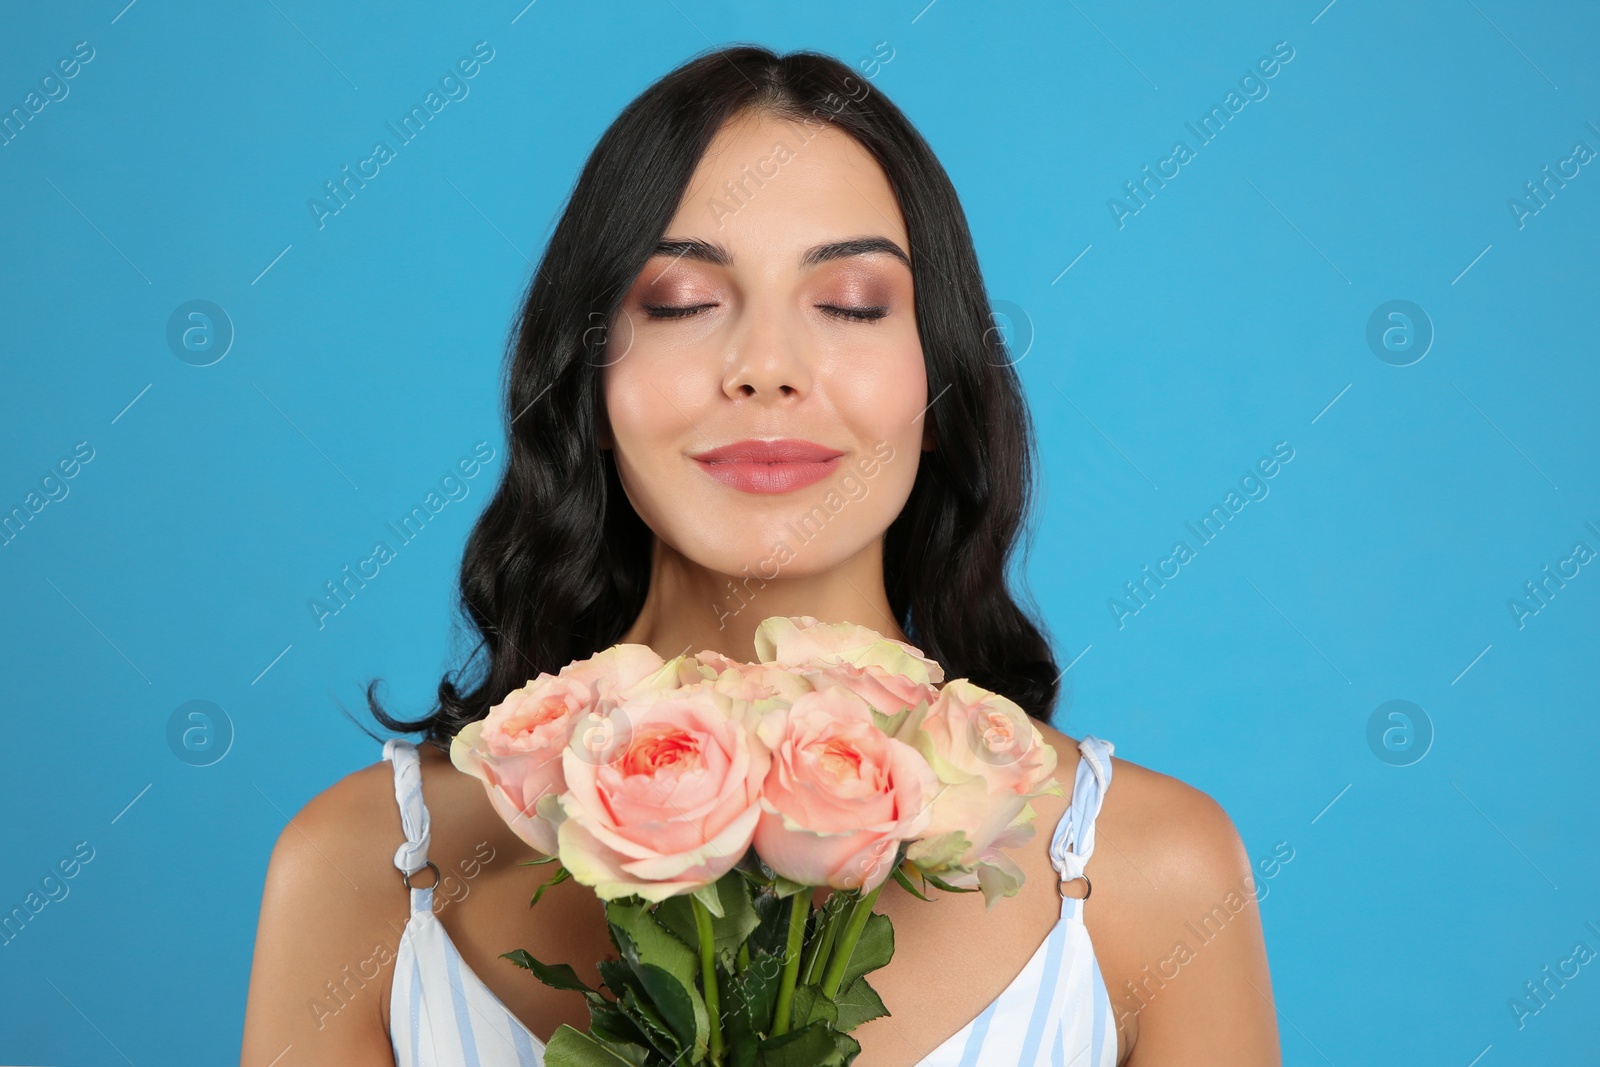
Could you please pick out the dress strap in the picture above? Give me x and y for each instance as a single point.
(412, 855)
(1073, 843)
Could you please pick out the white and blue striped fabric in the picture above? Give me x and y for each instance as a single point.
(440, 1012)
(1056, 1013)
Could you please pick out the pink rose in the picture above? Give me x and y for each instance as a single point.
(992, 760)
(885, 692)
(840, 795)
(672, 805)
(516, 751)
(755, 682)
(801, 640)
(619, 670)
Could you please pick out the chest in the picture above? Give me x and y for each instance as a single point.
(960, 967)
(955, 958)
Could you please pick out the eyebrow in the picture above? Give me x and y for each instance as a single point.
(711, 252)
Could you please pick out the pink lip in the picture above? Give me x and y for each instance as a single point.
(779, 466)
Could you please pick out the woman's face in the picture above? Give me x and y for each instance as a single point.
(780, 306)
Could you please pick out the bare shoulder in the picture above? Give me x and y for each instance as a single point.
(1175, 921)
(1176, 835)
(344, 815)
(330, 921)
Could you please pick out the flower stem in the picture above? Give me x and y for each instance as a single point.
(827, 926)
(847, 941)
(708, 975)
(799, 912)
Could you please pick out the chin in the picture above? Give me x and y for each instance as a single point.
(778, 548)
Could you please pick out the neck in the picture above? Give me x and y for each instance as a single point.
(690, 608)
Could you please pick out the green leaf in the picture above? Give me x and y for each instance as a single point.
(677, 915)
(679, 1005)
(611, 1025)
(663, 967)
(560, 876)
(651, 942)
(650, 1023)
(905, 880)
(740, 1039)
(739, 916)
(708, 895)
(874, 948)
(572, 1048)
(554, 975)
(813, 1046)
(857, 1003)
(759, 990)
(940, 883)
(733, 917)
(738, 1031)
(810, 1006)
(537, 862)
(617, 976)
(772, 933)
(785, 889)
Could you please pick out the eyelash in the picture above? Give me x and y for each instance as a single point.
(854, 314)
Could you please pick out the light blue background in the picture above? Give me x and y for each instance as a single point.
(1229, 314)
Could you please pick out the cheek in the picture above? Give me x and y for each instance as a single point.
(646, 412)
(640, 406)
(885, 394)
(881, 399)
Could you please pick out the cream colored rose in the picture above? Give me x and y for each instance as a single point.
(992, 760)
(885, 692)
(763, 684)
(801, 640)
(621, 670)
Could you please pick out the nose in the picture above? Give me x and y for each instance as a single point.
(769, 357)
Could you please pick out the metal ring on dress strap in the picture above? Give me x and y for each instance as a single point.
(405, 876)
(1088, 887)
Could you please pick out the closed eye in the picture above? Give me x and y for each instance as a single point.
(669, 311)
(856, 314)
(859, 314)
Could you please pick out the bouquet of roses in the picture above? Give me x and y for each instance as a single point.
(706, 799)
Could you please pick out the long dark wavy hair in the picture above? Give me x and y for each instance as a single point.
(557, 566)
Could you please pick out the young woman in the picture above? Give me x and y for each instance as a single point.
(755, 374)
